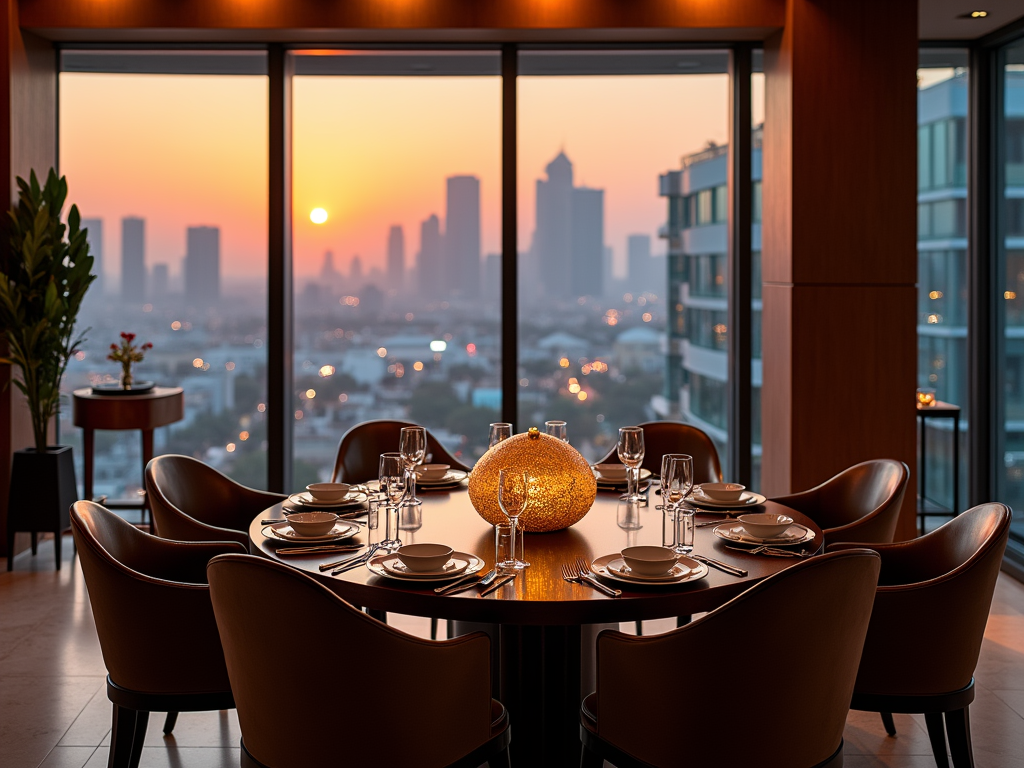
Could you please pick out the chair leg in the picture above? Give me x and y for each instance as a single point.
(937, 736)
(639, 629)
(57, 540)
(10, 550)
(500, 760)
(433, 629)
(590, 759)
(140, 738)
(450, 627)
(890, 726)
(171, 719)
(35, 543)
(958, 726)
(122, 737)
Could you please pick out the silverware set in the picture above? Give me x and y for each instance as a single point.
(580, 573)
(327, 549)
(467, 582)
(341, 566)
(764, 549)
(718, 564)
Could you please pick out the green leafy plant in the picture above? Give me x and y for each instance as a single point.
(47, 271)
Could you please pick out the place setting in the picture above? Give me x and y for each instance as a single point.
(646, 566)
(439, 477)
(767, 534)
(311, 528)
(724, 497)
(341, 498)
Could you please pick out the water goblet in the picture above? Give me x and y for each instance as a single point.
(392, 485)
(631, 453)
(413, 447)
(513, 494)
(557, 428)
(499, 430)
(676, 483)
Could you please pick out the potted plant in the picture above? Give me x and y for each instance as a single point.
(45, 274)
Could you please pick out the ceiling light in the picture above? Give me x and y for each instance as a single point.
(978, 14)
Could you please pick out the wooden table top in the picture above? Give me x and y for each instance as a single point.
(539, 595)
(147, 410)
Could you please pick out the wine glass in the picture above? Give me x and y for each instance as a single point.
(558, 429)
(513, 494)
(500, 430)
(413, 447)
(676, 483)
(392, 485)
(631, 453)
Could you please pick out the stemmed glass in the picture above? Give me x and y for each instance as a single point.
(392, 485)
(631, 453)
(557, 428)
(676, 482)
(500, 430)
(513, 493)
(413, 447)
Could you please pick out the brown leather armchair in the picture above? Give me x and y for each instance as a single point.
(192, 501)
(663, 701)
(860, 504)
(264, 608)
(931, 607)
(661, 437)
(155, 624)
(360, 448)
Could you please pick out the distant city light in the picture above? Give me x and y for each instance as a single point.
(447, 337)
(585, 370)
(417, 366)
(326, 370)
(438, 345)
(310, 394)
(197, 362)
(318, 215)
(582, 395)
(564, 362)
(175, 326)
(600, 418)
(342, 398)
(646, 317)
(349, 301)
(229, 366)
(382, 352)
(471, 349)
(934, 319)
(437, 357)
(399, 370)
(524, 382)
(147, 307)
(262, 407)
(409, 316)
(230, 447)
(627, 297)
(257, 343)
(574, 385)
(187, 326)
(298, 415)
(935, 295)
(80, 355)
(1009, 295)
(243, 436)
(641, 302)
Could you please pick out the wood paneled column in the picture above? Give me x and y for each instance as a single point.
(839, 242)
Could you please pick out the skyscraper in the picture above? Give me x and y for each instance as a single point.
(587, 265)
(552, 239)
(202, 265)
(159, 283)
(462, 235)
(133, 259)
(492, 277)
(430, 261)
(94, 235)
(640, 273)
(355, 271)
(396, 258)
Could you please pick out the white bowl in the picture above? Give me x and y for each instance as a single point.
(765, 525)
(613, 472)
(649, 561)
(312, 523)
(432, 472)
(328, 491)
(723, 491)
(424, 557)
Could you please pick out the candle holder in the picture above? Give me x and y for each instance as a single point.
(926, 397)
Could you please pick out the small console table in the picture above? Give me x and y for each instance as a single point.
(938, 410)
(145, 412)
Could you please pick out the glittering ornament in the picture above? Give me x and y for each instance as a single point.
(562, 485)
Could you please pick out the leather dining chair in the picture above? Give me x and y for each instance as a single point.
(860, 504)
(665, 700)
(345, 688)
(360, 448)
(157, 632)
(192, 501)
(922, 647)
(661, 437)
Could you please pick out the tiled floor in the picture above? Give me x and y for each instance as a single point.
(54, 712)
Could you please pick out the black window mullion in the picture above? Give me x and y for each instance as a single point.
(509, 239)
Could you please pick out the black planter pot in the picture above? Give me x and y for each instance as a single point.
(42, 491)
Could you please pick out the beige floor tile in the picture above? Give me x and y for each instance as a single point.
(175, 757)
(865, 735)
(93, 724)
(195, 729)
(67, 757)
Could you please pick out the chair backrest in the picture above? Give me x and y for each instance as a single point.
(360, 448)
(932, 605)
(785, 653)
(661, 437)
(192, 501)
(298, 654)
(860, 504)
(151, 604)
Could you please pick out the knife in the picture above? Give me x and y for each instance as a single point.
(719, 565)
(472, 580)
(297, 551)
(500, 582)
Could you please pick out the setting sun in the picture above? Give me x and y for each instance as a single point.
(318, 215)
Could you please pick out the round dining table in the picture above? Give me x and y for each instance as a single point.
(539, 620)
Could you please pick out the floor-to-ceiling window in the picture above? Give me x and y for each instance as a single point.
(166, 158)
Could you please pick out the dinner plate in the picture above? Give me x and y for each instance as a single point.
(612, 567)
(474, 564)
(604, 482)
(746, 499)
(454, 567)
(734, 532)
(304, 499)
(341, 530)
(452, 478)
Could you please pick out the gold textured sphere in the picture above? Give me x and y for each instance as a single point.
(562, 485)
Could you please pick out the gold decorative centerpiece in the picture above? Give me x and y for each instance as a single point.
(562, 485)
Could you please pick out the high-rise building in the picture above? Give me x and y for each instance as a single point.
(159, 281)
(430, 261)
(396, 258)
(202, 265)
(355, 270)
(640, 275)
(587, 265)
(133, 259)
(94, 235)
(492, 277)
(462, 235)
(552, 238)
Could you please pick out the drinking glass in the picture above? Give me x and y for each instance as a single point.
(500, 430)
(513, 493)
(413, 447)
(504, 555)
(558, 429)
(392, 485)
(631, 453)
(627, 516)
(676, 483)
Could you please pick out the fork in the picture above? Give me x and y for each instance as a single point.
(580, 573)
(768, 551)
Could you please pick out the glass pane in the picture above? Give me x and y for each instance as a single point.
(1009, 205)
(169, 172)
(622, 277)
(942, 263)
(757, 119)
(396, 243)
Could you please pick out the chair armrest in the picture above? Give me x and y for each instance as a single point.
(180, 562)
(903, 563)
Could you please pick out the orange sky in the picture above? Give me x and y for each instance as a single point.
(182, 151)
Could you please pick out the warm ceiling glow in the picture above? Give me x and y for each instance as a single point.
(979, 14)
(318, 215)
